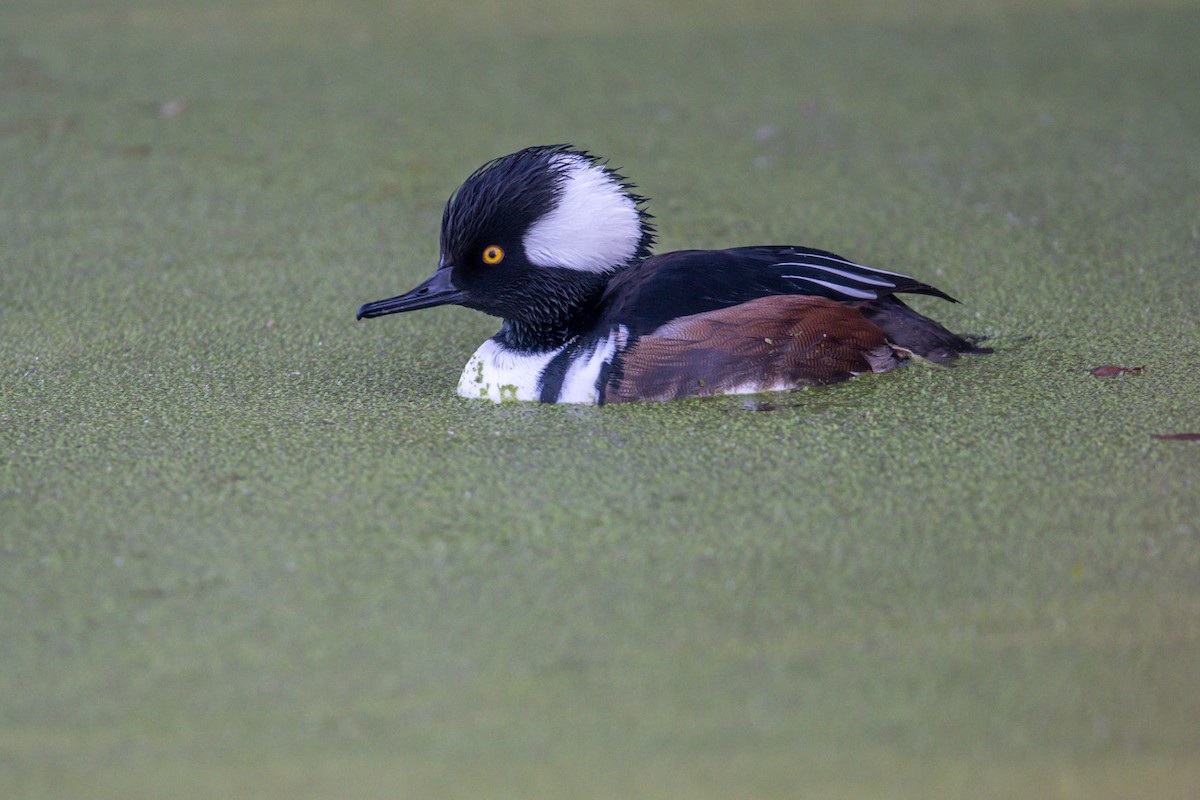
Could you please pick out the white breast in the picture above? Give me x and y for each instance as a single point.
(499, 374)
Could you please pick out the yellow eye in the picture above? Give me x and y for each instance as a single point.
(493, 254)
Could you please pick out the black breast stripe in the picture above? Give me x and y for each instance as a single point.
(550, 382)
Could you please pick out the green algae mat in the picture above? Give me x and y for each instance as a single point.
(252, 548)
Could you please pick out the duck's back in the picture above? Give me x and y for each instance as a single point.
(760, 319)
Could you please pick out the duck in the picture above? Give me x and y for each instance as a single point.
(558, 244)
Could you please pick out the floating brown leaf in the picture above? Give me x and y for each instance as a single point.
(1113, 371)
(1178, 437)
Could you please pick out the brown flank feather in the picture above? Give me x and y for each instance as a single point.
(775, 342)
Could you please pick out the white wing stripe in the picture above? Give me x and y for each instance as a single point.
(846, 290)
(840, 261)
(843, 274)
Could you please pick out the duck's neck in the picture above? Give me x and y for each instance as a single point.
(550, 319)
(540, 336)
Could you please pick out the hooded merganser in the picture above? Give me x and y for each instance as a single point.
(556, 243)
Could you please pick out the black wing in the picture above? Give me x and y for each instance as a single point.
(663, 287)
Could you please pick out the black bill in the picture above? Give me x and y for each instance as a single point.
(438, 290)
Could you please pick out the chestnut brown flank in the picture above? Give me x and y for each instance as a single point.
(770, 342)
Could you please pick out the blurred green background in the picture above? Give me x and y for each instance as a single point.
(252, 548)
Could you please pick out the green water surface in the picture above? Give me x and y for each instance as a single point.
(252, 548)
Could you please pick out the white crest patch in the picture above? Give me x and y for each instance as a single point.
(595, 226)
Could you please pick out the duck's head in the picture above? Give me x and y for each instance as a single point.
(531, 237)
